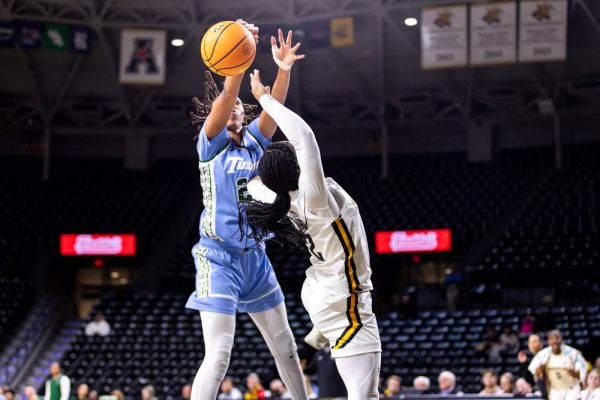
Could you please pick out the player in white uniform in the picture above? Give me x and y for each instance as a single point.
(301, 207)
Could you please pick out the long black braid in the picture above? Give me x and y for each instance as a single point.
(211, 92)
(279, 171)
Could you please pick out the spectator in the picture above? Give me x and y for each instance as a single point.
(148, 393)
(563, 367)
(329, 380)
(509, 341)
(490, 345)
(254, 389)
(452, 282)
(118, 394)
(83, 392)
(534, 344)
(523, 388)
(98, 326)
(30, 393)
(392, 387)
(278, 390)
(447, 384)
(597, 364)
(9, 394)
(229, 391)
(2, 394)
(507, 383)
(58, 386)
(312, 394)
(186, 392)
(422, 384)
(489, 379)
(592, 391)
(93, 395)
(527, 324)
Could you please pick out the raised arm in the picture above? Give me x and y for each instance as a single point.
(301, 136)
(286, 54)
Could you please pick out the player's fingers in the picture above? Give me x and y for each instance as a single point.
(297, 46)
(289, 38)
(300, 56)
(268, 89)
(280, 34)
(273, 41)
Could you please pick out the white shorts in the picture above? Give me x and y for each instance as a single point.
(349, 324)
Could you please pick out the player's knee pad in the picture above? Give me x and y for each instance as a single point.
(222, 354)
(286, 345)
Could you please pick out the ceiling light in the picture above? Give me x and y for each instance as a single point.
(177, 42)
(410, 21)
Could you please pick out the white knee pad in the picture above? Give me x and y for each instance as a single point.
(222, 355)
(286, 345)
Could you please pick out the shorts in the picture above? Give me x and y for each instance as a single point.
(349, 324)
(230, 279)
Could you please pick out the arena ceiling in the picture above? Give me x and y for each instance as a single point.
(377, 78)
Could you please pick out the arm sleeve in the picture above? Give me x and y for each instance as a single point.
(257, 134)
(65, 388)
(312, 178)
(47, 392)
(260, 192)
(209, 148)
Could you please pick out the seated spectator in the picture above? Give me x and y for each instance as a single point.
(527, 324)
(422, 384)
(507, 383)
(328, 378)
(83, 392)
(447, 384)
(592, 391)
(489, 379)
(118, 394)
(254, 389)
(9, 394)
(490, 345)
(310, 389)
(523, 388)
(186, 392)
(229, 391)
(278, 390)
(30, 393)
(93, 395)
(392, 387)
(148, 393)
(98, 326)
(509, 341)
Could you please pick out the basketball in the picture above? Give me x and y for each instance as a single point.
(228, 48)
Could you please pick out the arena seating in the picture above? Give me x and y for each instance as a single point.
(15, 299)
(155, 340)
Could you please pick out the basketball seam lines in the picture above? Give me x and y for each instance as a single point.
(230, 51)
(235, 66)
(216, 41)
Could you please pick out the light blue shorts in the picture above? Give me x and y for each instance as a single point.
(230, 279)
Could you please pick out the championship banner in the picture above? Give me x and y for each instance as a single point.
(416, 241)
(8, 33)
(444, 37)
(493, 33)
(143, 57)
(342, 32)
(56, 37)
(30, 35)
(318, 33)
(80, 39)
(101, 244)
(543, 30)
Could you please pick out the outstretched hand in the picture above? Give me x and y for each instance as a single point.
(286, 52)
(253, 29)
(258, 89)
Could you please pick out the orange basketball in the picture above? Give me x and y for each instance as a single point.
(228, 48)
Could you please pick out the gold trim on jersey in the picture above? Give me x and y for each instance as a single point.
(354, 323)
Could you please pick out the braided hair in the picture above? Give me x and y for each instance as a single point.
(279, 171)
(211, 92)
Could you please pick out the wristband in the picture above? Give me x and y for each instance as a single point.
(280, 64)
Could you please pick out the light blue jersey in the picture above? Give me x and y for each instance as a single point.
(232, 274)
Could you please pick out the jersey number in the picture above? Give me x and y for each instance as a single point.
(311, 248)
(242, 190)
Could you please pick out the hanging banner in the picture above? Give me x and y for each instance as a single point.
(8, 33)
(444, 37)
(80, 39)
(543, 30)
(56, 37)
(318, 33)
(143, 56)
(30, 34)
(493, 33)
(342, 32)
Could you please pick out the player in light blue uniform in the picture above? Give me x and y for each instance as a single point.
(234, 274)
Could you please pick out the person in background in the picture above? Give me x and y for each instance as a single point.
(392, 387)
(563, 367)
(509, 341)
(422, 384)
(58, 386)
(9, 394)
(507, 383)
(534, 345)
(447, 384)
(148, 393)
(279, 391)
(98, 326)
(93, 395)
(452, 282)
(254, 389)
(312, 393)
(83, 392)
(489, 379)
(523, 388)
(229, 391)
(118, 394)
(527, 324)
(30, 393)
(329, 381)
(592, 391)
(186, 392)
(597, 364)
(2, 394)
